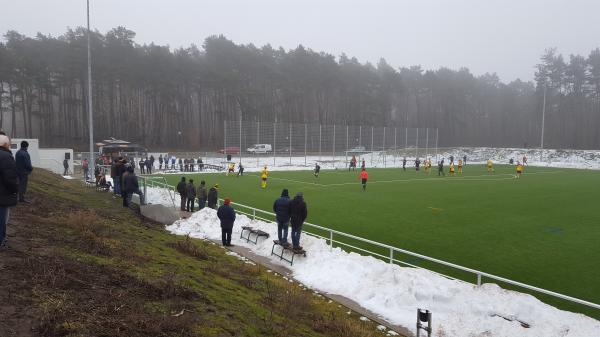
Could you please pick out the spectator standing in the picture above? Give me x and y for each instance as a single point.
(148, 163)
(181, 189)
(298, 213)
(66, 167)
(190, 195)
(85, 165)
(213, 196)
(9, 185)
(226, 214)
(202, 195)
(142, 164)
(160, 162)
(24, 169)
(131, 186)
(281, 207)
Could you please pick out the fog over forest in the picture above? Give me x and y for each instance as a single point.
(148, 93)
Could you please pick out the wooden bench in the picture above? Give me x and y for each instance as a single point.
(287, 248)
(250, 230)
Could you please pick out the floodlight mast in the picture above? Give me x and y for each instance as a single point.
(90, 113)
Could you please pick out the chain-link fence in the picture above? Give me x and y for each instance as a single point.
(283, 144)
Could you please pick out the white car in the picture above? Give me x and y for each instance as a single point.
(260, 148)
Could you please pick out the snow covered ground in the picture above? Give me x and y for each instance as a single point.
(583, 159)
(395, 293)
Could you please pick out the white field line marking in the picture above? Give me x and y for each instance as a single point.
(491, 177)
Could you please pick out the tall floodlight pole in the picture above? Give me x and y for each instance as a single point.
(543, 122)
(90, 114)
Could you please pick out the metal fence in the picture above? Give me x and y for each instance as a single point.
(395, 255)
(330, 145)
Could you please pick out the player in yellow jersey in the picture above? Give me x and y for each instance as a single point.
(452, 169)
(519, 170)
(231, 169)
(264, 174)
(460, 165)
(428, 165)
(490, 166)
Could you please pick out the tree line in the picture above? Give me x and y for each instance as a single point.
(178, 98)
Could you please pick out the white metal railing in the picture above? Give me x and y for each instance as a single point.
(159, 182)
(254, 213)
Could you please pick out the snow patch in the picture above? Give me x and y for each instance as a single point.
(395, 293)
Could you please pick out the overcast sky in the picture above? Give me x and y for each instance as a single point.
(502, 36)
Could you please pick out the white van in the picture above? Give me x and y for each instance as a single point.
(260, 148)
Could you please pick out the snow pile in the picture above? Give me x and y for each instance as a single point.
(395, 293)
(161, 196)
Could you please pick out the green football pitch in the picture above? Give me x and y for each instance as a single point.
(542, 229)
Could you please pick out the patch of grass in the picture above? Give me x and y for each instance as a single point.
(491, 222)
(85, 266)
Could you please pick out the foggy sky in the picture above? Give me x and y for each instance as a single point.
(502, 36)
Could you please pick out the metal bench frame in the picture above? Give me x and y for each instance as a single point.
(282, 256)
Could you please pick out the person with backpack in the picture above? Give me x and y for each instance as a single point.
(298, 213)
(226, 214)
(190, 195)
(281, 208)
(182, 190)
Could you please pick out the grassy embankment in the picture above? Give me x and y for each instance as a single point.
(78, 264)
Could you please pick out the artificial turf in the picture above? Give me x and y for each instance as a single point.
(542, 229)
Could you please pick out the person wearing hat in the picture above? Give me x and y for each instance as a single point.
(202, 195)
(226, 214)
(24, 169)
(298, 213)
(213, 196)
(181, 189)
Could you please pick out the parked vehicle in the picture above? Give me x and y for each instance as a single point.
(357, 149)
(260, 148)
(230, 150)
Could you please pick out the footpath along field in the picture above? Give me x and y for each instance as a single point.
(541, 229)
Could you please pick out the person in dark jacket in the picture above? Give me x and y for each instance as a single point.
(160, 161)
(240, 170)
(148, 163)
(213, 196)
(281, 207)
(226, 214)
(118, 180)
(9, 185)
(142, 164)
(298, 213)
(180, 165)
(152, 160)
(202, 195)
(24, 169)
(404, 164)
(200, 165)
(182, 190)
(131, 186)
(191, 196)
(66, 167)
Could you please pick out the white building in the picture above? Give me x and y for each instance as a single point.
(46, 158)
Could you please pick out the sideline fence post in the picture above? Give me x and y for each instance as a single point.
(426, 142)
(372, 130)
(384, 152)
(254, 214)
(333, 155)
(395, 146)
(346, 152)
(417, 144)
(290, 144)
(478, 279)
(274, 148)
(391, 255)
(305, 136)
(319, 142)
(330, 240)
